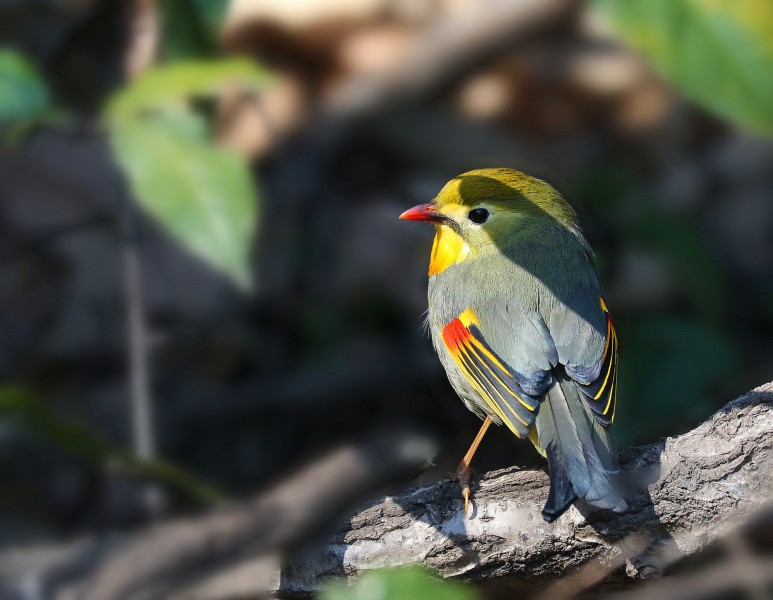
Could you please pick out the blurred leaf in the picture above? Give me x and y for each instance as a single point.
(172, 86)
(23, 94)
(399, 584)
(202, 194)
(191, 27)
(718, 53)
(211, 13)
(670, 367)
(679, 242)
(20, 409)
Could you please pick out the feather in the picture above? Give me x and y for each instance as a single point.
(488, 374)
(600, 394)
(580, 460)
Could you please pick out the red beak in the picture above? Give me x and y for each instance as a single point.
(423, 212)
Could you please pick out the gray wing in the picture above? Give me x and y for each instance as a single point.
(557, 317)
(532, 318)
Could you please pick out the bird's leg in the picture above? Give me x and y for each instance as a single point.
(463, 470)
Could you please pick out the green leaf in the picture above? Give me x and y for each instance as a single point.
(20, 410)
(203, 195)
(718, 53)
(172, 86)
(23, 94)
(399, 584)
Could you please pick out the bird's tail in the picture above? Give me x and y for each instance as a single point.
(582, 458)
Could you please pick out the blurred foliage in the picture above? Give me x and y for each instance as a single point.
(201, 193)
(23, 94)
(175, 85)
(718, 53)
(399, 584)
(20, 411)
(204, 195)
(684, 249)
(671, 366)
(190, 27)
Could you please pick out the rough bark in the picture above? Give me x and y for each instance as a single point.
(692, 489)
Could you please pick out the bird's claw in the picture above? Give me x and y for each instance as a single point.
(466, 496)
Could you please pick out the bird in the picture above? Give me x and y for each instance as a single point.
(518, 319)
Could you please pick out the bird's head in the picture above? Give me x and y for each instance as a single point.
(485, 211)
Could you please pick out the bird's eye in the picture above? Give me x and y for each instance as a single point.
(478, 215)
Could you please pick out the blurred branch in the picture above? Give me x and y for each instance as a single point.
(447, 51)
(144, 27)
(141, 52)
(302, 505)
(712, 582)
(139, 379)
(450, 49)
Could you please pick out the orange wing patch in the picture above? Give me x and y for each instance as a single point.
(491, 377)
(601, 394)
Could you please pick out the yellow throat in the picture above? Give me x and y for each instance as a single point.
(447, 249)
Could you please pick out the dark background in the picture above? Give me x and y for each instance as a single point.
(676, 202)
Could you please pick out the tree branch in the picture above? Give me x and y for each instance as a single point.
(689, 491)
(693, 489)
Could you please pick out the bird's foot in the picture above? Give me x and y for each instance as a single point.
(463, 472)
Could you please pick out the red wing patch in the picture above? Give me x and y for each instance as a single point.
(491, 377)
